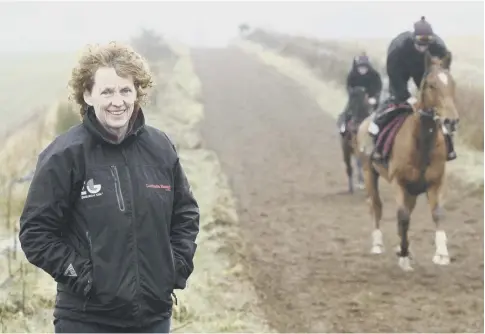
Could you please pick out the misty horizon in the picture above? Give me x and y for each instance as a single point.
(67, 26)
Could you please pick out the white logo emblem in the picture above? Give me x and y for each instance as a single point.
(70, 272)
(90, 189)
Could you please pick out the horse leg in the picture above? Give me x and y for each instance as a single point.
(348, 164)
(441, 256)
(409, 203)
(406, 204)
(371, 178)
(360, 178)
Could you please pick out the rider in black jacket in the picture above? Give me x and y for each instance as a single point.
(362, 74)
(365, 75)
(405, 60)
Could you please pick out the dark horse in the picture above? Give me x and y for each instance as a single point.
(357, 110)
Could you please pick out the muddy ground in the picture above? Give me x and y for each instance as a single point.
(309, 257)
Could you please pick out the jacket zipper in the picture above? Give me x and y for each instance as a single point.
(86, 301)
(119, 195)
(135, 235)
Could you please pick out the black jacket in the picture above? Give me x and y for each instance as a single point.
(114, 225)
(371, 81)
(405, 62)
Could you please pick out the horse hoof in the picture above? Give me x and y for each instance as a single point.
(405, 263)
(398, 252)
(441, 260)
(377, 249)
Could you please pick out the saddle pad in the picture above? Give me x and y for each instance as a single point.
(388, 133)
(396, 125)
(381, 139)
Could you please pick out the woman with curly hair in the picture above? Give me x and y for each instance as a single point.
(110, 214)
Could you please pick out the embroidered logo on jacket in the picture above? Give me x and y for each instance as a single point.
(90, 189)
(159, 186)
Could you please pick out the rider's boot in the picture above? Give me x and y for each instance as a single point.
(342, 129)
(373, 131)
(450, 148)
(342, 124)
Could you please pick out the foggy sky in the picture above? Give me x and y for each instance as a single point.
(42, 26)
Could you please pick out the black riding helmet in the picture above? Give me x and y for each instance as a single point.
(362, 60)
(423, 32)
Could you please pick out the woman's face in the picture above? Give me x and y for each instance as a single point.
(113, 99)
(362, 70)
(421, 48)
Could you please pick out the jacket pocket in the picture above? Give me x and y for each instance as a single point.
(157, 277)
(179, 280)
(114, 283)
(91, 282)
(174, 268)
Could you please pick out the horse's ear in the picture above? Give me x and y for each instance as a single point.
(446, 61)
(428, 60)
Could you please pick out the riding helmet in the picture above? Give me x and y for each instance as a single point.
(423, 32)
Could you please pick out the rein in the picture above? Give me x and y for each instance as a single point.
(429, 122)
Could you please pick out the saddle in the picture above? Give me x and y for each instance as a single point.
(389, 121)
(389, 111)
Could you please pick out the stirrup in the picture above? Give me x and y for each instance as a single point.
(378, 159)
(375, 154)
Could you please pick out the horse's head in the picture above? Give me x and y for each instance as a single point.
(358, 105)
(437, 92)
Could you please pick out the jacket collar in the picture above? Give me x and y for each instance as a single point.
(135, 126)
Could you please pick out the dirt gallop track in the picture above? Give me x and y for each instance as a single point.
(310, 241)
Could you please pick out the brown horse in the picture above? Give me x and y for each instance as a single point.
(417, 160)
(358, 109)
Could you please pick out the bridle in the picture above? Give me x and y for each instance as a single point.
(446, 125)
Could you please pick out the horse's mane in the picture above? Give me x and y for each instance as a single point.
(432, 63)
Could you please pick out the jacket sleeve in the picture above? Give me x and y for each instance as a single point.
(349, 82)
(184, 226)
(378, 85)
(398, 75)
(375, 85)
(43, 219)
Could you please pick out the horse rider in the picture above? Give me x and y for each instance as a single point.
(362, 74)
(405, 60)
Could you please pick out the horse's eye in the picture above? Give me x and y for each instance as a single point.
(432, 86)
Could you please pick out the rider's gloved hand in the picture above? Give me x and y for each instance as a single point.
(372, 101)
(412, 100)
